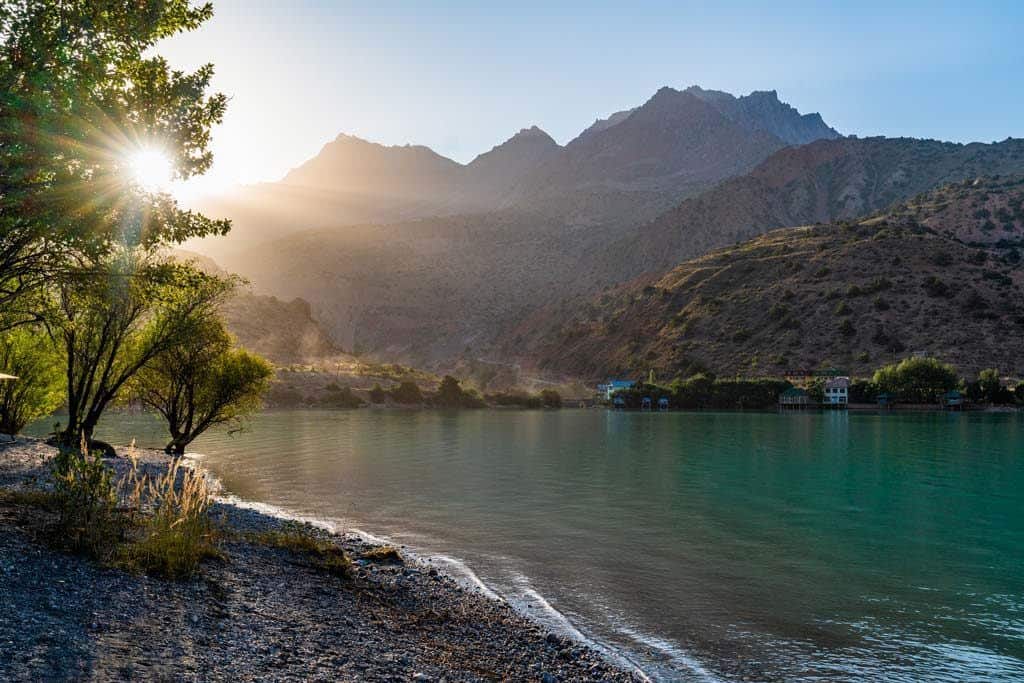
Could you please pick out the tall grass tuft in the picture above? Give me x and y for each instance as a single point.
(173, 533)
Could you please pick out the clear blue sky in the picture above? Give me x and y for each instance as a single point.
(461, 77)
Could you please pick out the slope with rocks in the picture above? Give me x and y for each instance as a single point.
(824, 181)
(927, 277)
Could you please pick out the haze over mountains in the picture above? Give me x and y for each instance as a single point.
(411, 256)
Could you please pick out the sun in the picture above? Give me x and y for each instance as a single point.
(151, 169)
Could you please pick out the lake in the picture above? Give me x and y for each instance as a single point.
(702, 546)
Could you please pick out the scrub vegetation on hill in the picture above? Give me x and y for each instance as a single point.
(930, 276)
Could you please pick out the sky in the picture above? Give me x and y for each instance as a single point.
(461, 77)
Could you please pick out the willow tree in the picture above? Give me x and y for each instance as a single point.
(119, 317)
(80, 238)
(202, 382)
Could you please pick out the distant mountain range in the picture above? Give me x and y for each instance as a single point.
(635, 165)
(413, 257)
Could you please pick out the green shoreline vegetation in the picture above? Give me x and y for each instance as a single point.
(912, 381)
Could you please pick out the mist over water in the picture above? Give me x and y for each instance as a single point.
(701, 546)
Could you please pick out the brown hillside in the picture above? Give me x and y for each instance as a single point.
(923, 278)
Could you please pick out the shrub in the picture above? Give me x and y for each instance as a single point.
(377, 394)
(343, 398)
(551, 398)
(33, 358)
(407, 393)
(935, 287)
(842, 308)
(86, 502)
(846, 328)
(450, 395)
(881, 304)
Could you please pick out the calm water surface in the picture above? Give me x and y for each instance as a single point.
(703, 546)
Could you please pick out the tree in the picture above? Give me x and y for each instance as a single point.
(201, 382)
(79, 96)
(407, 393)
(989, 389)
(377, 394)
(451, 395)
(917, 380)
(551, 398)
(32, 356)
(116, 319)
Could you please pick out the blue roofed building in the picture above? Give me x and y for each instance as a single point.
(609, 388)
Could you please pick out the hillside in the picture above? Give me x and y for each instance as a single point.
(828, 180)
(284, 332)
(940, 274)
(427, 291)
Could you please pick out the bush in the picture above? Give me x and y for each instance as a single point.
(551, 398)
(86, 502)
(38, 391)
(450, 395)
(935, 287)
(917, 380)
(846, 328)
(407, 393)
(377, 394)
(343, 398)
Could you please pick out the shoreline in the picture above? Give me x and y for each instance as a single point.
(258, 613)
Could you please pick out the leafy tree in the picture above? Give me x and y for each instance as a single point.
(79, 96)
(917, 380)
(117, 319)
(450, 395)
(988, 388)
(32, 356)
(407, 393)
(201, 382)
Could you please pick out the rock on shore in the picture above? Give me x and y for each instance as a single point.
(257, 614)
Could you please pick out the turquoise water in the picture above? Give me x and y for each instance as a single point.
(835, 546)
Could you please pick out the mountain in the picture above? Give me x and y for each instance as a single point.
(283, 332)
(940, 274)
(491, 176)
(628, 168)
(350, 164)
(673, 146)
(827, 180)
(762, 110)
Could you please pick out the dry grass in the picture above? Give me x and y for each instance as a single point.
(299, 540)
(383, 553)
(170, 516)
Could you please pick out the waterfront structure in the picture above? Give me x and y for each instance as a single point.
(613, 386)
(794, 397)
(837, 392)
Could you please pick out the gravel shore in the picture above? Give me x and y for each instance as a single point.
(257, 614)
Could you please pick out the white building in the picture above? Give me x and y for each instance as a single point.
(837, 391)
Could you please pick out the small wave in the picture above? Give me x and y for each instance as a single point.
(679, 658)
(463, 570)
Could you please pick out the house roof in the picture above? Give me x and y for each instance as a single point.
(837, 383)
(794, 392)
